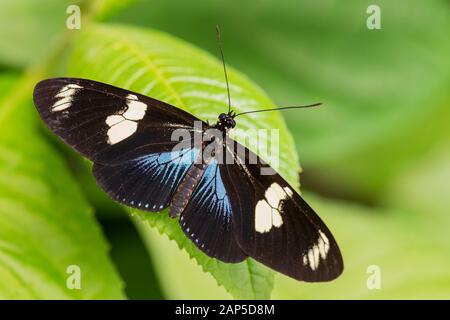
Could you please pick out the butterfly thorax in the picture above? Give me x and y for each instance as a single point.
(225, 122)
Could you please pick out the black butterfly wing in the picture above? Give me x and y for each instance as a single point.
(275, 226)
(108, 124)
(147, 182)
(207, 219)
(127, 135)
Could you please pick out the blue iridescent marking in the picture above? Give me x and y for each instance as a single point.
(166, 166)
(211, 192)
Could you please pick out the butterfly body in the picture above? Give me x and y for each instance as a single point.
(229, 210)
(186, 188)
(225, 122)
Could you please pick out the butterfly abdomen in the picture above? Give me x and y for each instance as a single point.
(186, 188)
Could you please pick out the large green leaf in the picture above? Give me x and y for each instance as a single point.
(45, 223)
(382, 89)
(165, 68)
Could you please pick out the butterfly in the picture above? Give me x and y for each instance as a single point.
(229, 209)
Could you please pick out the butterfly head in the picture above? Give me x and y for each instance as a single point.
(226, 121)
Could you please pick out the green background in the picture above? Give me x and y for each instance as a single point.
(375, 158)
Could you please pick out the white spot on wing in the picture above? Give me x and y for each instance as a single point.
(274, 194)
(317, 251)
(65, 97)
(277, 221)
(136, 110)
(323, 244)
(132, 97)
(312, 261)
(288, 191)
(305, 260)
(114, 119)
(121, 131)
(123, 125)
(263, 216)
(268, 210)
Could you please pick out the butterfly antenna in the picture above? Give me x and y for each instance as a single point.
(219, 43)
(280, 108)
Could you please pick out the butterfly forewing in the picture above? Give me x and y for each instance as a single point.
(107, 124)
(275, 226)
(127, 135)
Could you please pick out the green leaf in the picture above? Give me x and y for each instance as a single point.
(158, 65)
(179, 274)
(380, 88)
(45, 223)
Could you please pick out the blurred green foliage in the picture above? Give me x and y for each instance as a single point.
(45, 224)
(377, 153)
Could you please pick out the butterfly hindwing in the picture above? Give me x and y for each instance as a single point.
(107, 124)
(275, 226)
(207, 219)
(147, 182)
